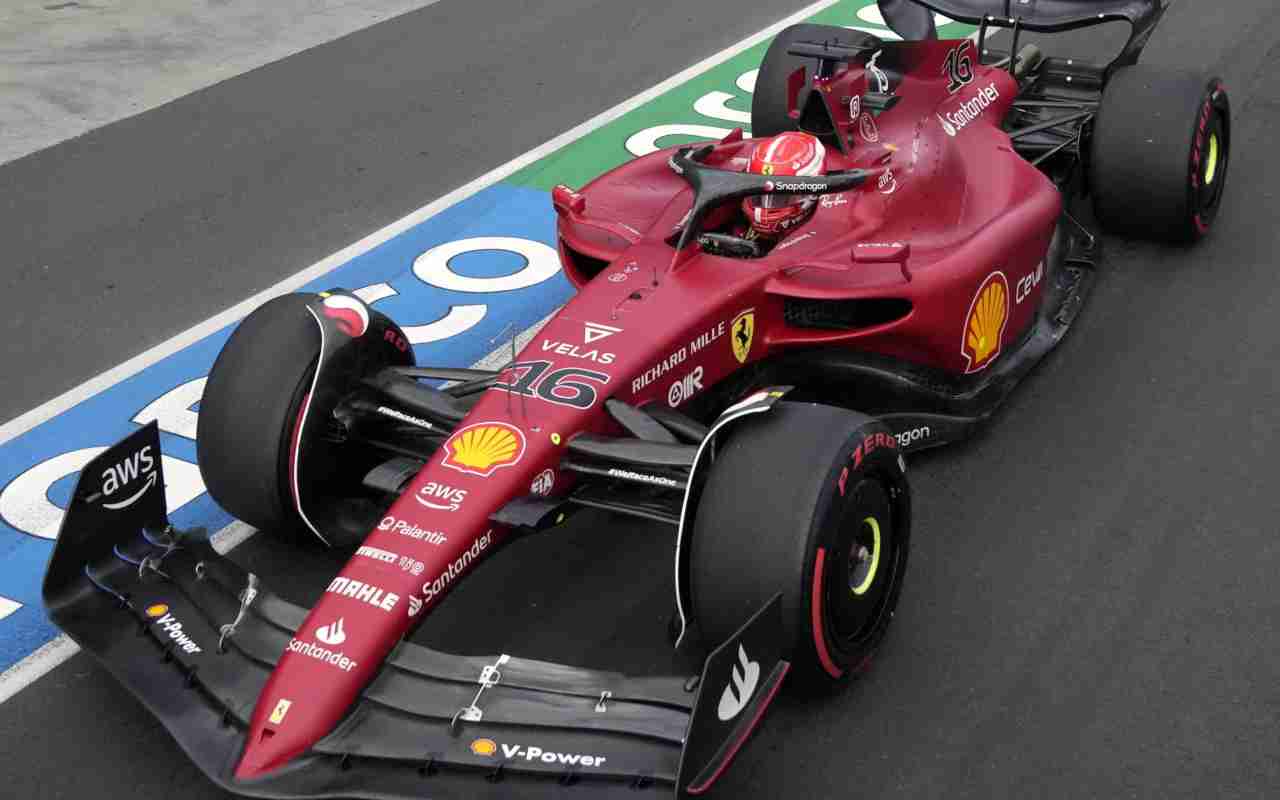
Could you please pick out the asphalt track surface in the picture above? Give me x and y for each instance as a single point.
(1091, 609)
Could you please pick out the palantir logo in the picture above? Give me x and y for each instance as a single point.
(744, 681)
(333, 634)
(124, 476)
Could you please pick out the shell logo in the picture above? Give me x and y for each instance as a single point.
(349, 313)
(484, 747)
(984, 325)
(482, 448)
(157, 611)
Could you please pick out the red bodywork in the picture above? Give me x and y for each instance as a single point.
(956, 225)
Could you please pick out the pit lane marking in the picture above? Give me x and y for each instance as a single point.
(31, 668)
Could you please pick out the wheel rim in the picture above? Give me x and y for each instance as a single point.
(1209, 172)
(858, 586)
(1211, 163)
(864, 557)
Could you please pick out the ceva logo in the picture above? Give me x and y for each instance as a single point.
(744, 681)
(125, 475)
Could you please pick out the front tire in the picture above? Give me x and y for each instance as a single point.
(811, 502)
(1160, 152)
(249, 410)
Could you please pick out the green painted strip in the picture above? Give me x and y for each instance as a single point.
(718, 90)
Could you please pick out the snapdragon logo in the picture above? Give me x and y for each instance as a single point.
(787, 186)
(956, 121)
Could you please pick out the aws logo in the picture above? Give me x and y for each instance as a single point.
(124, 483)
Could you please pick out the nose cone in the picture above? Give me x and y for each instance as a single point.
(322, 671)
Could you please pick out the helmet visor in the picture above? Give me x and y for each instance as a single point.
(779, 200)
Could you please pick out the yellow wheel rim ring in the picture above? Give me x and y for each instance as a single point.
(862, 588)
(1211, 163)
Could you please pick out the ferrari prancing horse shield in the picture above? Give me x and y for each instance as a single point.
(744, 327)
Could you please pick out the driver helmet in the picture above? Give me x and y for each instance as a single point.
(791, 154)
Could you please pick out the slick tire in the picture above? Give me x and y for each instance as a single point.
(812, 502)
(247, 414)
(769, 100)
(1160, 151)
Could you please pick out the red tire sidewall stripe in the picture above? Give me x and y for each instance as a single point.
(819, 629)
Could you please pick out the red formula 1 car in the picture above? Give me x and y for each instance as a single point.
(762, 329)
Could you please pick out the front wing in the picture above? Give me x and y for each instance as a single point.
(195, 638)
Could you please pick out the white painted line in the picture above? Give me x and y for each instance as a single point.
(8, 606)
(31, 668)
(71, 397)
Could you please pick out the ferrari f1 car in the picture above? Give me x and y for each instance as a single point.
(756, 395)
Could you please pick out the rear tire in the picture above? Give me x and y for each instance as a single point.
(1160, 152)
(811, 502)
(769, 101)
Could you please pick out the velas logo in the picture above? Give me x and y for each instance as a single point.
(744, 328)
(351, 315)
(594, 331)
(736, 695)
(332, 634)
(124, 483)
(483, 448)
(985, 323)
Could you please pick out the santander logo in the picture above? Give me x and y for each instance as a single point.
(738, 693)
(955, 121)
(332, 634)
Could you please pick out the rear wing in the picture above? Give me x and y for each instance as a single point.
(195, 638)
(1043, 16)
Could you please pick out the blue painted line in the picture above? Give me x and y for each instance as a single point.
(499, 210)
